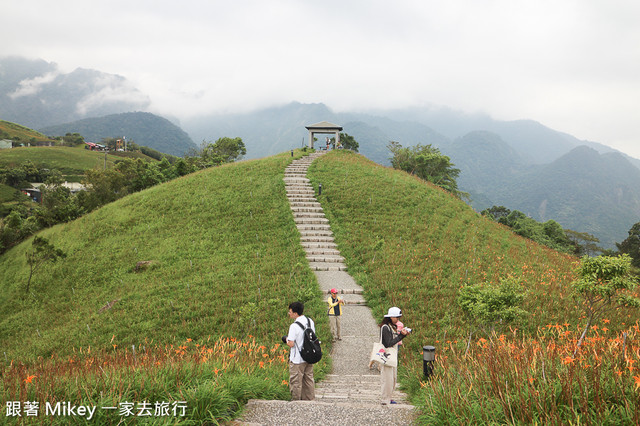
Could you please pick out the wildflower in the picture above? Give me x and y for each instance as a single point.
(531, 380)
(284, 382)
(261, 364)
(567, 360)
(265, 355)
(29, 379)
(606, 321)
(637, 380)
(188, 339)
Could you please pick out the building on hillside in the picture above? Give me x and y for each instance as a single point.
(36, 195)
(5, 144)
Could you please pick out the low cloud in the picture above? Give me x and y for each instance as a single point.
(33, 86)
(111, 89)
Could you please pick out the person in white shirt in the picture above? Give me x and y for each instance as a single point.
(301, 382)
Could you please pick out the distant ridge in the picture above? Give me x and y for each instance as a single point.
(143, 128)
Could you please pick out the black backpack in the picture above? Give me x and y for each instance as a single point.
(310, 351)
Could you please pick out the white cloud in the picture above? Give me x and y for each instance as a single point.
(573, 65)
(32, 86)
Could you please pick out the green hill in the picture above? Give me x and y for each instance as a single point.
(16, 132)
(226, 261)
(219, 240)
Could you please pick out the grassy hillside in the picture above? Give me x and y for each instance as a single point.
(20, 133)
(70, 161)
(412, 245)
(226, 261)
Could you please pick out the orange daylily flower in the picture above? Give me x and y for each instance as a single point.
(637, 380)
(568, 360)
(29, 379)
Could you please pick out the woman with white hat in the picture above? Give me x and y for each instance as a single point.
(390, 337)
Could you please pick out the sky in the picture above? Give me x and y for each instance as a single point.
(572, 65)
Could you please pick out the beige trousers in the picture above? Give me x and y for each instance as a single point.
(334, 322)
(301, 382)
(388, 382)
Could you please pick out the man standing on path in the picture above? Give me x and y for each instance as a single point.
(301, 382)
(335, 312)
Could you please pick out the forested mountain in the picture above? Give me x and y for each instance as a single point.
(35, 93)
(522, 164)
(143, 128)
(582, 190)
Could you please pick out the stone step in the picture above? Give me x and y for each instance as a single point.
(316, 239)
(325, 259)
(314, 227)
(311, 220)
(327, 266)
(317, 246)
(307, 210)
(319, 412)
(321, 252)
(301, 198)
(309, 215)
(296, 179)
(313, 204)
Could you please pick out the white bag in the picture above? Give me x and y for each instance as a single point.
(382, 355)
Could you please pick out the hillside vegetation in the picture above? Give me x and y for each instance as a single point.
(226, 261)
(412, 245)
(20, 133)
(69, 161)
(225, 256)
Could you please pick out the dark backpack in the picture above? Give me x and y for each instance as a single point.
(310, 350)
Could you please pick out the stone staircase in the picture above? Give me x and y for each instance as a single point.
(315, 233)
(351, 393)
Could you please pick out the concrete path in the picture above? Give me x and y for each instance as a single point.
(351, 393)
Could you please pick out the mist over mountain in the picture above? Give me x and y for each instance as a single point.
(35, 93)
(143, 128)
(521, 164)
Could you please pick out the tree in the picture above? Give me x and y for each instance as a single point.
(631, 245)
(428, 164)
(42, 251)
(604, 283)
(496, 212)
(73, 139)
(489, 305)
(349, 142)
(227, 149)
(584, 243)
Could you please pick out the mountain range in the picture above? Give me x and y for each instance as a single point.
(547, 174)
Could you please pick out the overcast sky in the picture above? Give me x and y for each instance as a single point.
(573, 65)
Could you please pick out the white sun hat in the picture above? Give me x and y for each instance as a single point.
(394, 313)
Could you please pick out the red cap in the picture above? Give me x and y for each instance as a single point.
(333, 290)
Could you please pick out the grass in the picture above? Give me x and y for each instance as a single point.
(412, 245)
(68, 160)
(226, 262)
(18, 132)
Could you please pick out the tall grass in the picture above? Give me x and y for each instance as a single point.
(412, 245)
(196, 383)
(225, 261)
